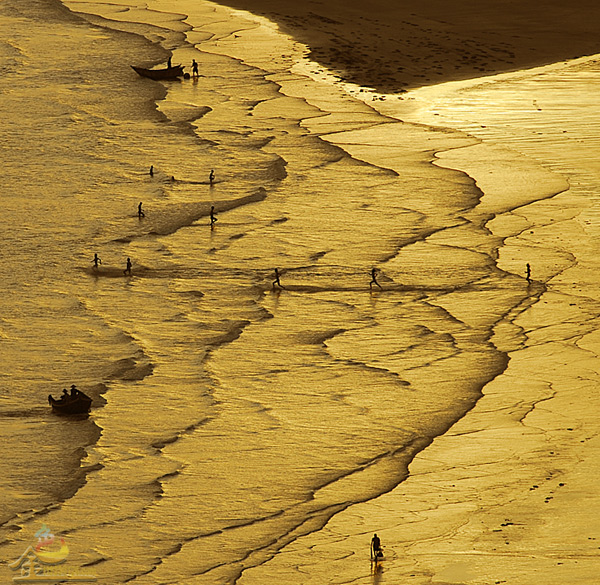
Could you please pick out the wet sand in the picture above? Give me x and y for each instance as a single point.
(475, 507)
(508, 494)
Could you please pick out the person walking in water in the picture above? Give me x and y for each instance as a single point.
(151, 170)
(141, 211)
(96, 261)
(376, 550)
(211, 177)
(374, 279)
(277, 281)
(528, 273)
(194, 68)
(213, 218)
(128, 268)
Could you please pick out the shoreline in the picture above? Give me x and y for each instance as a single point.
(391, 50)
(498, 539)
(425, 464)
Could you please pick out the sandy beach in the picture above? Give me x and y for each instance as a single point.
(253, 434)
(508, 495)
(390, 47)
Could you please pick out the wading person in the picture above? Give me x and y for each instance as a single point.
(128, 267)
(277, 281)
(213, 217)
(374, 281)
(141, 211)
(96, 261)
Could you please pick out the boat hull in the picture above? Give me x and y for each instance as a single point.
(157, 74)
(81, 404)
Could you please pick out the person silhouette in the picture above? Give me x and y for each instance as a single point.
(374, 279)
(141, 211)
(128, 268)
(169, 63)
(528, 273)
(376, 550)
(277, 281)
(194, 68)
(213, 218)
(211, 177)
(151, 170)
(96, 261)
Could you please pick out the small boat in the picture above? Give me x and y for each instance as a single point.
(166, 73)
(69, 404)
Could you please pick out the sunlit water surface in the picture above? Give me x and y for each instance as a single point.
(229, 418)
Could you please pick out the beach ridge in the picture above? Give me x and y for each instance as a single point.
(390, 49)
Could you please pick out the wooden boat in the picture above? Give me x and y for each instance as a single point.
(78, 404)
(166, 73)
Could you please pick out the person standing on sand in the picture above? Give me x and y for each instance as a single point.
(194, 68)
(128, 268)
(374, 281)
(277, 281)
(376, 550)
(141, 211)
(528, 273)
(213, 218)
(96, 261)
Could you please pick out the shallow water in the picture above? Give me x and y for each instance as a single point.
(229, 418)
